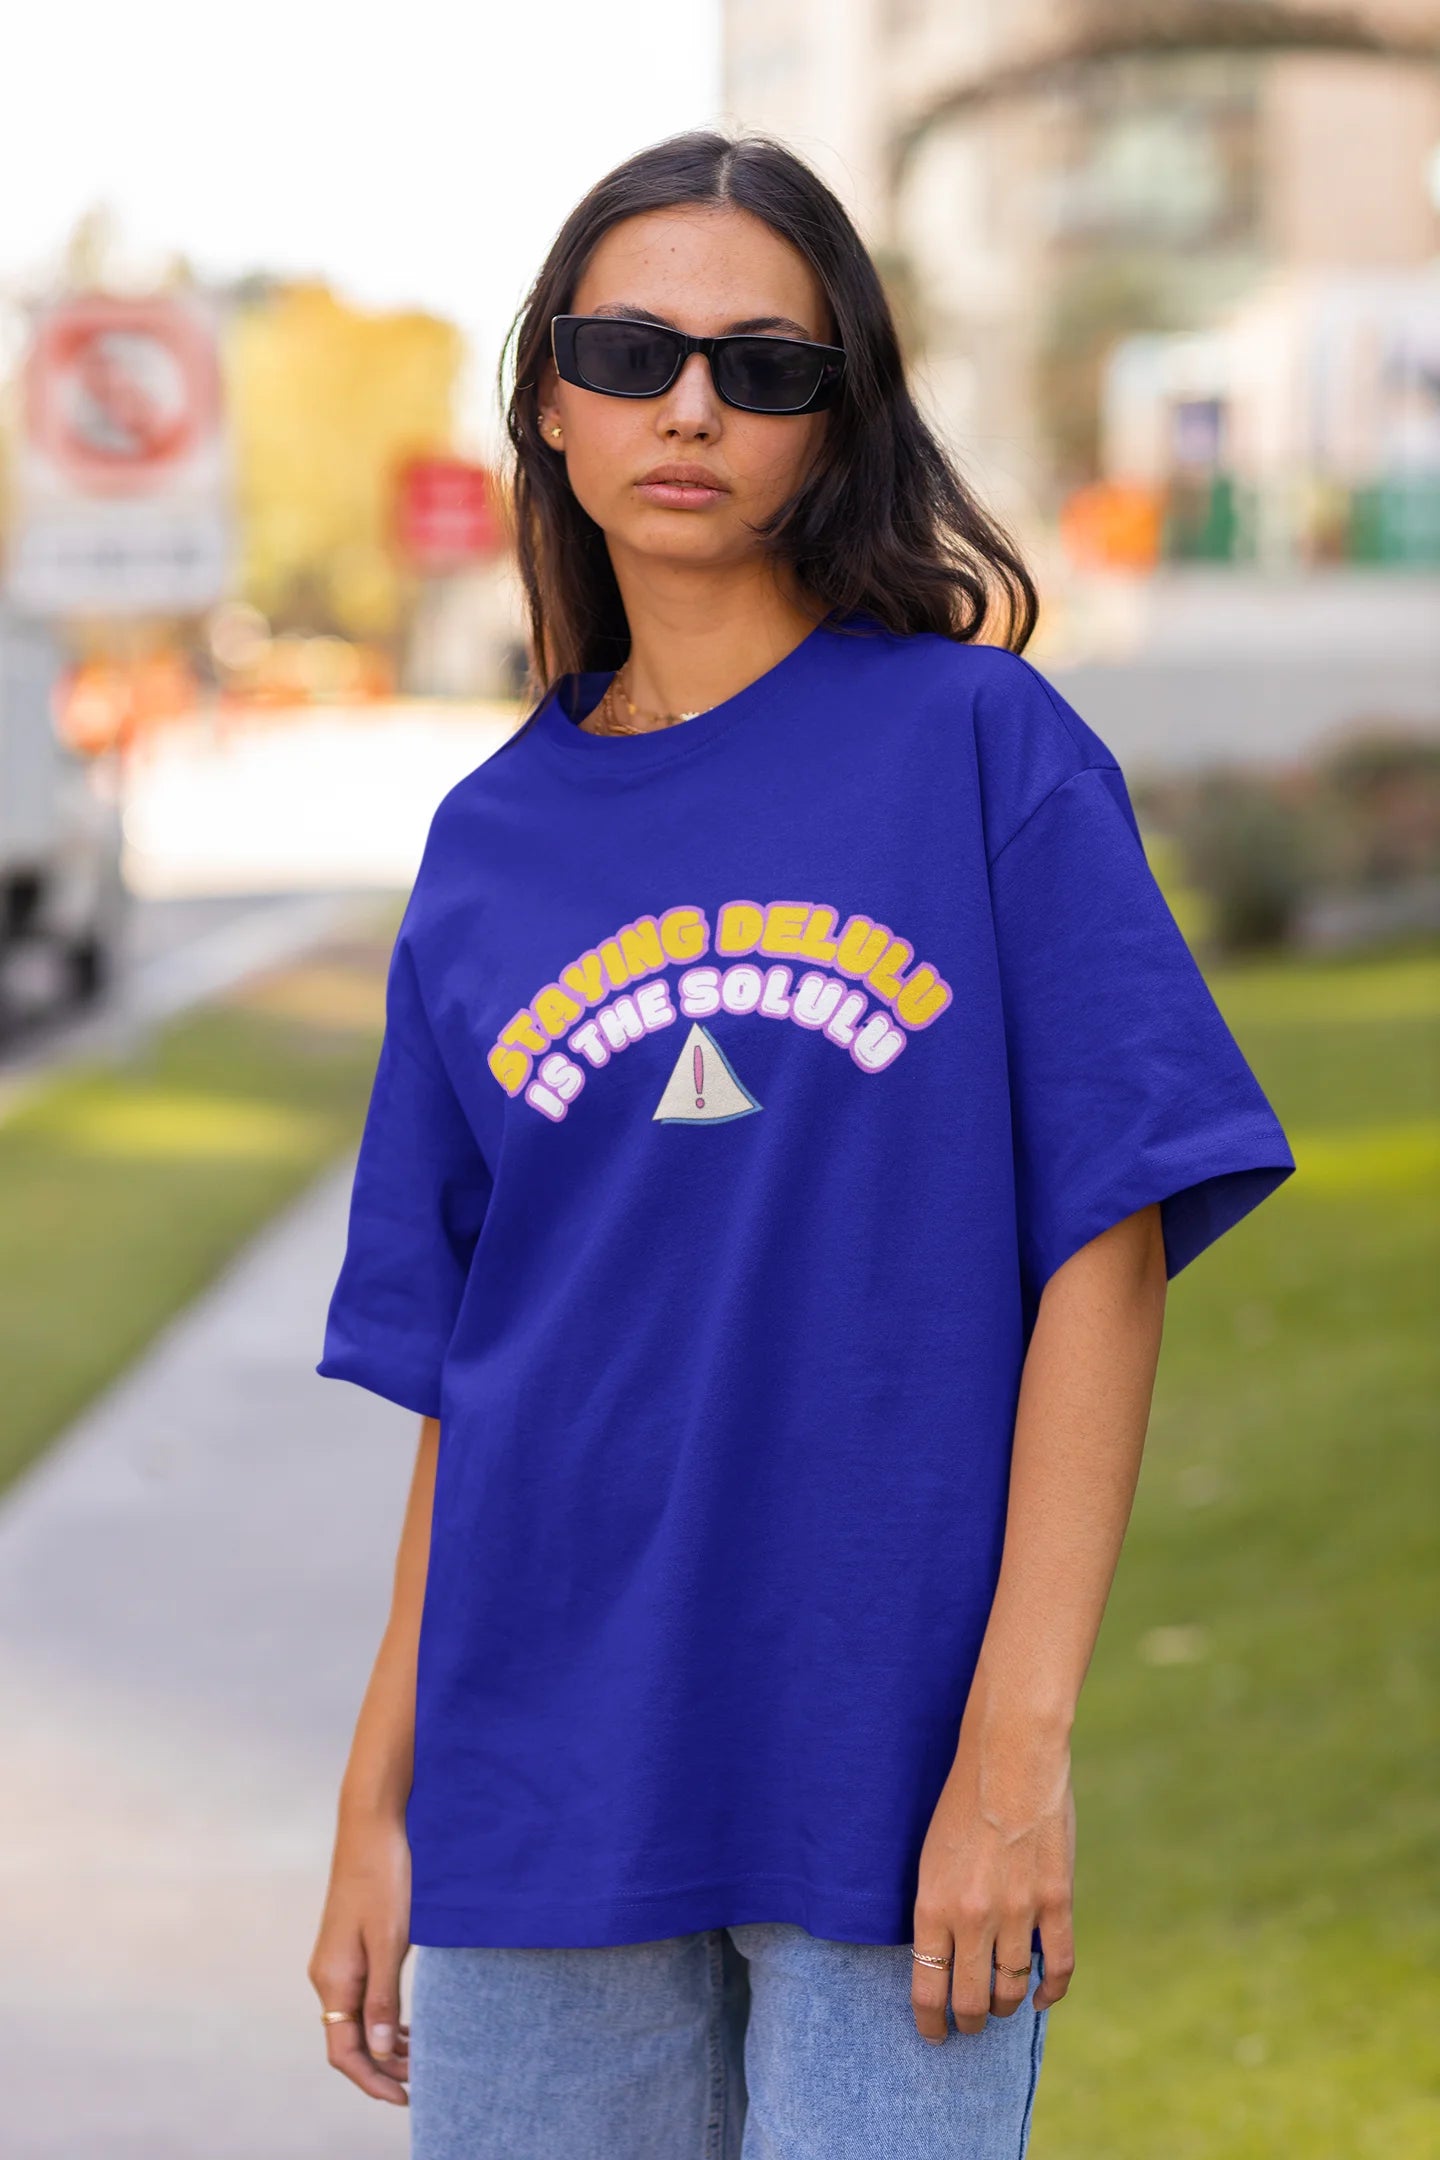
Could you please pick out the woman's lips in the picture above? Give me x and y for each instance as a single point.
(679, 494)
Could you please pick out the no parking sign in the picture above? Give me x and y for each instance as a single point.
(122, 473)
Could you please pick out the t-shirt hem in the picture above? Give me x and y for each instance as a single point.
(651, 1916)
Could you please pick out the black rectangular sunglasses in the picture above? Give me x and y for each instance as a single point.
(621, 356)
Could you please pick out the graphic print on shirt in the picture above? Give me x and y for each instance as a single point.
(855, 995)
(704, 1088)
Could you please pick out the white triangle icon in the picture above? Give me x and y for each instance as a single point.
(702, 1088)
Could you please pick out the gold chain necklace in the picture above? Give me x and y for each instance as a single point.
(612, 724)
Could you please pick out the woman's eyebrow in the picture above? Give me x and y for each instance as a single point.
(749, 325)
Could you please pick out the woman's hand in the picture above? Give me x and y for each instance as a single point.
(355, 1965)
(998, 1860)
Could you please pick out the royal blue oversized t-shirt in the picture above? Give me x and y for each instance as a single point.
(742, 1085)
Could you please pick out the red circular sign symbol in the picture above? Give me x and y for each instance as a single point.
(118, 391)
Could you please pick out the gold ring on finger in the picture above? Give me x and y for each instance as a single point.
(339, 2017)
(942, 1963)
(1014, 1972)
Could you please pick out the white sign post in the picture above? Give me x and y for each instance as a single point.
(122, 496)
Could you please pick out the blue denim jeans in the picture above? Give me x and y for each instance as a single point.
(753, 2042)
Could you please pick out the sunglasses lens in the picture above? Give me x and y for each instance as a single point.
(769, 374)
(628, 359)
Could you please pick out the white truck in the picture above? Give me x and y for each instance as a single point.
(62, 888)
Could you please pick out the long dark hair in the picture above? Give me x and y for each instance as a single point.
(883, 524)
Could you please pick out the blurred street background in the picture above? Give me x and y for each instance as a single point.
(1168, 277)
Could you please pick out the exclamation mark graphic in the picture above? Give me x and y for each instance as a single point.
(699, 1077)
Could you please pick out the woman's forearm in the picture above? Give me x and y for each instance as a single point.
(381, 1761)
(998, 1857)
(1084, 1404)
(365, 1927)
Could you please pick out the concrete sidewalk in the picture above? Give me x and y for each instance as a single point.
(192, 1587)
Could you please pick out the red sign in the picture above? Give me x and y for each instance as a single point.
(446, 514)
(120, 392)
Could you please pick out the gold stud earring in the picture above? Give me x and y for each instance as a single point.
(555, 432)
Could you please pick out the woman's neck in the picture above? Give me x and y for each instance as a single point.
(694, 646)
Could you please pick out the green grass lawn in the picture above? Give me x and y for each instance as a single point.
(1257, 1771)
(125, 1185)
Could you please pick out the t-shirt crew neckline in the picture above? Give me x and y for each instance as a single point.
(611, 757)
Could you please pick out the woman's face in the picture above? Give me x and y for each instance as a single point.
(709, 272)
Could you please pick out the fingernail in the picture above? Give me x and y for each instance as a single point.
(382, 2039)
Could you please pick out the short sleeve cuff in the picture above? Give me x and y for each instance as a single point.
(412, 1385)
(1196, 1208)
(1199, 1214)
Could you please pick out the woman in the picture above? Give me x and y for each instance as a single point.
(795, 1096)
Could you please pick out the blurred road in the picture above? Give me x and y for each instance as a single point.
(1180, 668)
(173, 953)
(192, 1585)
